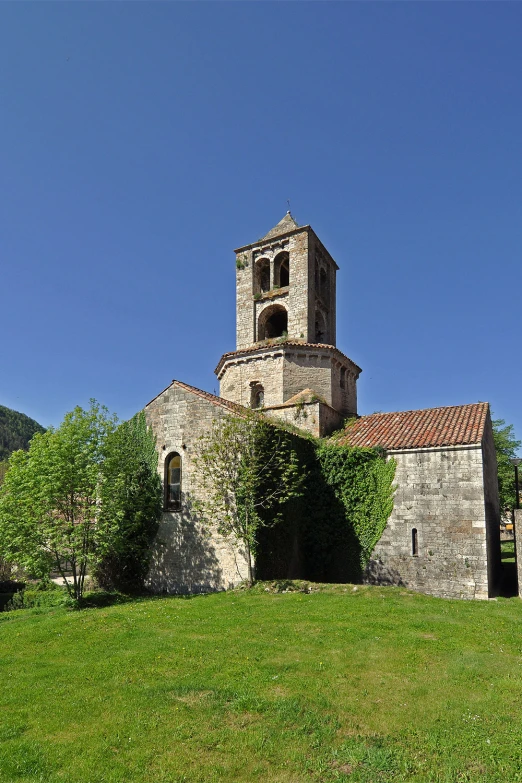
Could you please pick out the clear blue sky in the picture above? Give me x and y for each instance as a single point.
(142, 142)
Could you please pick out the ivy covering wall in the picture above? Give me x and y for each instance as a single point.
(329, 532)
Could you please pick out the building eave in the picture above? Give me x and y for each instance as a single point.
(289, 344)
(273, 239)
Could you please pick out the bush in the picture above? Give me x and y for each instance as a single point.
(9, 588)
(42, 594)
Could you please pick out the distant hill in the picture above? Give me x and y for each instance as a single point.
(16, 430)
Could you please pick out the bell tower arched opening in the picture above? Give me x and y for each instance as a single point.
(272, 323)
(282, 269)
(262, 276)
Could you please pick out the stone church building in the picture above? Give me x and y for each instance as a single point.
(443, 534)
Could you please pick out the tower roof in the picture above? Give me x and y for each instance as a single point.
(283, 227)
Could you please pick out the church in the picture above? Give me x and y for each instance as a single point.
(442, 537)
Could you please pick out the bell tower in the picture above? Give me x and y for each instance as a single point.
(286, 359)
(285, 285)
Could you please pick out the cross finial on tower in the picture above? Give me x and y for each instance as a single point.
(288, 202)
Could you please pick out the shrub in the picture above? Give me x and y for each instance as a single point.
(42, 594)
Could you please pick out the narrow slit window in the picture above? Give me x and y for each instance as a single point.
(257, 396)
(414, 542)
(173, 482)
(343, 377)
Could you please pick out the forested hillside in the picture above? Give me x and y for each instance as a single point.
(16, 430)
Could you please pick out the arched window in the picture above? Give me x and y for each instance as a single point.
(282, 269)
(273, 322)
(262, 276)
(414, 542)
(257, 395)
(173, 482)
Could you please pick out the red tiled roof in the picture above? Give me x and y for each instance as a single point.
(220, 401)
(458, 425)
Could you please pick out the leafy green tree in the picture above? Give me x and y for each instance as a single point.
(49, 501)
(130, 506)
(506, 446)
(248, 470)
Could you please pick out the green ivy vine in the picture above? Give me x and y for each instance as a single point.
(362, 480)
(331, 530)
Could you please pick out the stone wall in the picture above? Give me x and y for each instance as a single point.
(324, 301)
(298, 315)
(186, 557)
(241, 371)
(305, 416)
(245, 320)
(314, 417)
(285, 370)
(440, 494)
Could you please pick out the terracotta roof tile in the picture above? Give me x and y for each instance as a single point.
(458, 425)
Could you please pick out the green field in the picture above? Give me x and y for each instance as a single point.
(371, 684)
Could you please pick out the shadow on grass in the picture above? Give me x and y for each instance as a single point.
(508, 584)
(508, 580)
(101, 599)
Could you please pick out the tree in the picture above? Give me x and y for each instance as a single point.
(49, 501)
(506, 447)
(248, 469)
(130, 506)
(85, 496)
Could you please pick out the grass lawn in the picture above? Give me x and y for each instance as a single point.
(373, 685)
(507, 549)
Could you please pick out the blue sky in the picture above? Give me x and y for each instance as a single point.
(142, 142)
